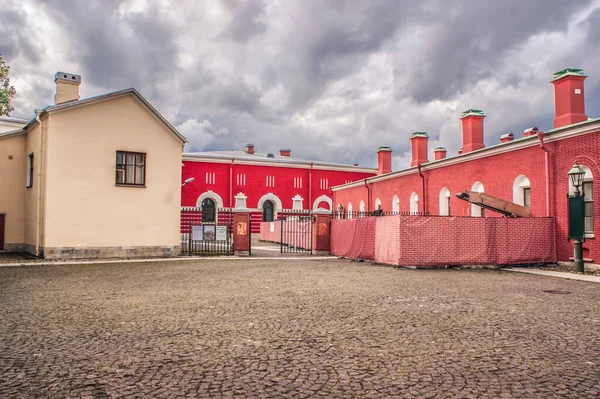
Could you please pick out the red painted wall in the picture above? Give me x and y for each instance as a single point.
(256, 184)
(497, 174)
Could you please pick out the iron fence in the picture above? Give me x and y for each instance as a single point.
(206, 231)
(296, 231)
(340, 215)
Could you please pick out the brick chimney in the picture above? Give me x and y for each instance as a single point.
(472, 130)
(505, 138)
(532, 131)
(67, 87)
(249, 148)
(418, 143)
(285, 152)
(439, 153)
(569, 97)
(384, 160)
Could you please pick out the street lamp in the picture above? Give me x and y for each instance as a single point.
(576, 216)
(188, 181)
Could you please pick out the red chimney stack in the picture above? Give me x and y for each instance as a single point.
(439, 153)
(384, 160)
(249, 148)
(418, 142)
(284, 152)
(472, 130)
(569, 97)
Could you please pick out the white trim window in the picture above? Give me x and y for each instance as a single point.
(29, 170)
(241, 179)
(522, 191)
(587, 189)
(476, 210)
(210, 177)
(349, 210)
(396, 205)
(445, 202)
(414, 204)
(270, 181)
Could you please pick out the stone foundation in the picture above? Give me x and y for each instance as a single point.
(13, 248)
(110, 252)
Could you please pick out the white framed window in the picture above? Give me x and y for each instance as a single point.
(444, 202)
(270, 181)
(377, 204)
(210, 177)
(29, 170)
(396, 204)
(361, 208)
(241, 179)
(297, 182)
(414, 203)
(476, 210)
(522, 191)
(349, 210)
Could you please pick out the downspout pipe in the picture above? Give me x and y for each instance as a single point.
(231, 183)
(368, 196)
(422, 189)
(310, 185)
(540, 136)
(38, 227)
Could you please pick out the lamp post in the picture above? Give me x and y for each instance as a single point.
(576, 216)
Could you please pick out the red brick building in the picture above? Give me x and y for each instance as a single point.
(530, 170)
(263, 183)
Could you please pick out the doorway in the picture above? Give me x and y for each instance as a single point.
(2, 224)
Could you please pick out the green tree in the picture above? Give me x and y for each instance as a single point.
(7, 92)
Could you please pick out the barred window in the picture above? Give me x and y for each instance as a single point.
(131, 168)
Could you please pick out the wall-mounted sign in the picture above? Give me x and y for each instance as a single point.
(209, 232)
(242, 228)
(221, 233)
(198, 233)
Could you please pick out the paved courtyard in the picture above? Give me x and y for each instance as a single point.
(294, 329)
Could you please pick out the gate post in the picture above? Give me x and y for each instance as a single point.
(241, 232)
(321, 224)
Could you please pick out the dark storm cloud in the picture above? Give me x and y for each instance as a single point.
(16, 36)
(245, 19)
(467, 39)
(330, 79)
(114, 51)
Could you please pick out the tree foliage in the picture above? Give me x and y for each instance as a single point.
(7, 92)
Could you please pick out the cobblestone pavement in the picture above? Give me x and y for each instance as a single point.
(294, 329)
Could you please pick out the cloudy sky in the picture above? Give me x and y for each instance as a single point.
(331, 80)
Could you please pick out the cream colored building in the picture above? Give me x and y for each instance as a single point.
(97, 177)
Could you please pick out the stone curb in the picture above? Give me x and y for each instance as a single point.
(182, 259)
(568, 276)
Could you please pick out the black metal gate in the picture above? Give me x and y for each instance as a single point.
(206, 230)
(296, 231)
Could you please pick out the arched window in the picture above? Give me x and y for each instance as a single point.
(396, 204)
(377, 204)
(349, 210)
(445, 202)
(522, 191)
(361, 208)
(414, 204)
(268, 211)
(476, 210)
(587, 189)
(208, 211)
